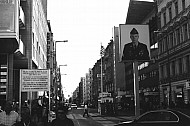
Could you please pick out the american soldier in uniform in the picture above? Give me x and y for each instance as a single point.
(135, 50)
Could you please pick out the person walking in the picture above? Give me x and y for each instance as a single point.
(8, 117)
(25, 118)
(85, 110)
(61, 118)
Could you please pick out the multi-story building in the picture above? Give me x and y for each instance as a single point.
(81, 91)
(87, 87)
(119, 69)
(174, 54)
(96, 83)
(23, 37)
(51, 62)
(108, 68)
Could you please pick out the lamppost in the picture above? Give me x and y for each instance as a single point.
(56, 49)
(57, 79)
(62, 96)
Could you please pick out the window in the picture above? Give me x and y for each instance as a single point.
(158, 116)
(3, 72)
(161, 72)
(183, 4)
(185, 32)
(165, 44)
(187, 64)
(176, 8)
(177, 36)
(170, 13)
(164, 18)
(173, 68)
(181, 34)
(171, 40)
(180, 65)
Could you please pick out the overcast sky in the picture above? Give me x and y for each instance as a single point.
(85, 24)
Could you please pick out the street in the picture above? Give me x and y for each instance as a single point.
(94, 120)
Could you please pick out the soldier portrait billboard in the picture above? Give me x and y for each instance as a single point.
(134, 43)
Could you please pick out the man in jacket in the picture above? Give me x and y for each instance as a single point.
(61, 118)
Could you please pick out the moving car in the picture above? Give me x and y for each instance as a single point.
(73, 106)
(166, 117)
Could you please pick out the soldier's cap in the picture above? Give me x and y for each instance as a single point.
(134, 31)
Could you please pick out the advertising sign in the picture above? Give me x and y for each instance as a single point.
(134, 42)
(34, 80)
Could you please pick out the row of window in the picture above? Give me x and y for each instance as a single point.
(171, 10)
(174, 38)
(175, 67)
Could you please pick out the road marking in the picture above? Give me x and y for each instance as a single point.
(106, 123)
(70, 116)
(75, 116)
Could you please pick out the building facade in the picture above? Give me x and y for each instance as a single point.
(23, 34)
(174, 53)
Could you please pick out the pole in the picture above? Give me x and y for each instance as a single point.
(56, 70)
(56, 77)
(136, 88)
(101, 76)
(20, 94)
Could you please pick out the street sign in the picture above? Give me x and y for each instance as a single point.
(32, 80)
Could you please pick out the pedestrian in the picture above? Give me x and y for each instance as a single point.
(85, 110)
(25, 118)
(61, 117)
(8, 117)
(135, 50)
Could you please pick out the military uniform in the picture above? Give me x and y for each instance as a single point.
(132, 52)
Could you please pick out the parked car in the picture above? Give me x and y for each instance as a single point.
(166, 117)
(73, 106)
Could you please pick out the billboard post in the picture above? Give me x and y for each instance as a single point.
(134, 48)
(34, 80)
(136, 88)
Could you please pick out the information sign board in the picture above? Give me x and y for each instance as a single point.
(34, 80)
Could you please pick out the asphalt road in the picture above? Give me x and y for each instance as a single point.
(77, 116)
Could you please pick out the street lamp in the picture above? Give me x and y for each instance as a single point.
(56, 85)
(60, 79)
(56, 49)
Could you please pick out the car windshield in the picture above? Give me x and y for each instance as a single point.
(158, 116)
